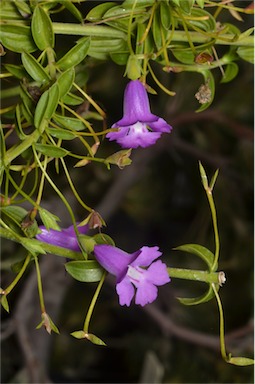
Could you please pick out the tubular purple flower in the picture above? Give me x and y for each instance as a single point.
(66, 238)
(133, 127)
(130, 271)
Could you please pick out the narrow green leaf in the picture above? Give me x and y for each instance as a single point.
(94, 339)
(51, 150)
(195, 249)
(214, 178)
(17, 38)
(47, 105)
(14, 212)
(203, 176)
(230, 72)
(76, 54)
(156, 24)
(61, 134)
(74, 11)
(186, 5)
(71, 99)
(5, 303)
(102, 238)
(97, 13)
(16, 70)
(200, 3)
(241, 361)
(246, 53)
(41, 28)
(34, 69)
(32, 246)
(49, 220)
(88, 271)
(69, 122)
(198, 300)
(65, 82)
(79, 334)
(165, 15)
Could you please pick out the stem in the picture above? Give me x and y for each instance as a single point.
(222, 339)
(215, 228)
(39, 283)
(179, 36)
(92, 304)
(14, 152)
(88, 30)
(196, 275)
(19, 275)
(73, 187)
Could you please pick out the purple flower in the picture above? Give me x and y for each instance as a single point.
(66, 238)
(130, 272)
(133, 127)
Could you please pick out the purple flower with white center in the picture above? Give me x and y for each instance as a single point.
(133, 127)
(130, 271)
(65, 238)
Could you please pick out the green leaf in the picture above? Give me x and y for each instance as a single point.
(230, 72)
(4, 303)
(203, 20)
(61, 133)
(76, 54)
(119, 58)
(65, 82)
(102, 238)
(42, 29)
(32, 246)
(186, 5)
(17, 38)
(156, 25)
(51, 150)
(49, 220)
(14, 213)
(97, 13)
(16, 70)
(241, 361)
(69, 122)
(75, 12)
(184, 55)
(195, 249)
(200, 3)
(79, 334)
(246, 53)
(47, 105)
(88, 271)
(139, 3)
(165, 14)
(34, 69)
(94, 339)
(198, 300)
(71, 99)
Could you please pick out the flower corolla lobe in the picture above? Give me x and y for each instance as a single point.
(133, 279)
(132, 128)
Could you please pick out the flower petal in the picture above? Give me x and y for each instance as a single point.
(160, 126)
(146, 293)
(58, 238)
(146, 256)
(126, 291)
(136, 105)
(157, 273)
(113, 259)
